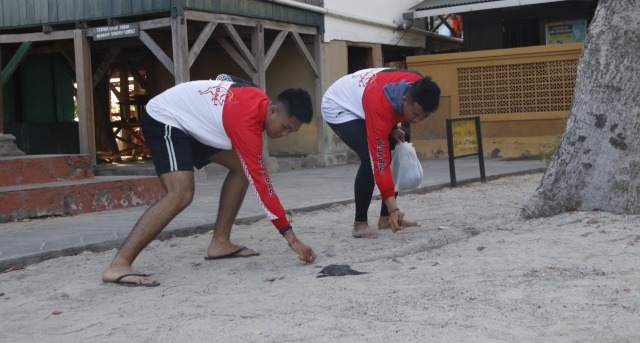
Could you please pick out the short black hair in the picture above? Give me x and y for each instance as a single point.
(426, 93)
(297, 103)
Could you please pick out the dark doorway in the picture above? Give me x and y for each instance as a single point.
(520, 32)
(358, 58)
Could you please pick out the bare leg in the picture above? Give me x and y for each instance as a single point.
(362, 230)
(179, 188)
(232, 194)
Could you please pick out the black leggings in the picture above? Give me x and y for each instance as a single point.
(354, 134)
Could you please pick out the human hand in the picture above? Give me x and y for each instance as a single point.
(399, 135)
(396, 219)
(305, 253)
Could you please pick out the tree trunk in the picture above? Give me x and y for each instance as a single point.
(597, 163)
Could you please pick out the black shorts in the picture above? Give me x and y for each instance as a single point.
(172, 149)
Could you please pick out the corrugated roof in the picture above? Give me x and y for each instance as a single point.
(439, 7)
(432, 4)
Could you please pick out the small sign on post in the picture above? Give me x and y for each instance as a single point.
(464, 138)
(116, 31)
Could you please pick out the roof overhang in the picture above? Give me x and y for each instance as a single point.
(461, 6)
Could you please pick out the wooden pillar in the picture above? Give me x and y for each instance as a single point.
(125, 96)
(257, 49)
(325, 136)
(259, 77)
(84, 81)
(180, 44)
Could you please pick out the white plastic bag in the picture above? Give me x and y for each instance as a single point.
(405, 167)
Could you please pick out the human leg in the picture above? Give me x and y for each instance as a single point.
(171, 150)
(354, 134)
(232, 195)
(179, 188)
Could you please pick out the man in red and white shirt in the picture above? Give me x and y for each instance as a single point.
(364, 109)
(198, 122)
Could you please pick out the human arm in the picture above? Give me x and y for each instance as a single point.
(249, 148)
(381, 124)
(398, 134)
(305, 253)
(396, 216)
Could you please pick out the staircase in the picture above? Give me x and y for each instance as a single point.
(36, 186)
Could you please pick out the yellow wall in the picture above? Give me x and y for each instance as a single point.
(522, 96)
(289, 69)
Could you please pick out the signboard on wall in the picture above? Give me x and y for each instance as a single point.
(116, 31)
(464, 138)
(566, 31)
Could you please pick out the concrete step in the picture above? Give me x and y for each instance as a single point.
(140, 168)
(34, 169)
(77, 196)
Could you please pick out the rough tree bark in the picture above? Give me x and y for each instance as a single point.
(597, 162)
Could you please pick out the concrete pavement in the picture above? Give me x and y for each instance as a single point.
(28, 242)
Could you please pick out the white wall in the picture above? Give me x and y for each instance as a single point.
(383, 11)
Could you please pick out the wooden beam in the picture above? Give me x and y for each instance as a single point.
(305, 53)
(85, 95)
(201, 41)
(245, 21)
(157, 51)
(259, 77)
(36, 37)
(115, 91)
(325, 136)
(154, 23)
(14, 62)
(235, 55)
(104, 65)
(71, 64)
(273, 49)
(69, 34)
(257, 49)
(136, 75)
(180, 44)
(235, 37)
(125, 95)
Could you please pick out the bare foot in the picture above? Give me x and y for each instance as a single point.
(383, 223)
(362, 230)
(218, 249)
(128, 277)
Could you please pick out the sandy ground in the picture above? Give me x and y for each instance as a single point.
(473, 272)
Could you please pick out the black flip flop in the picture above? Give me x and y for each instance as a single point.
(231, 255)
(135, 284)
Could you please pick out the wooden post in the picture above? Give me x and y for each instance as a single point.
(259, 77)
(180, 43)
(84, 81)
(125, 108)
(257, 49)
(325, 139)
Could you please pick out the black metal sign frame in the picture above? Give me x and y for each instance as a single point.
(473, 139)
